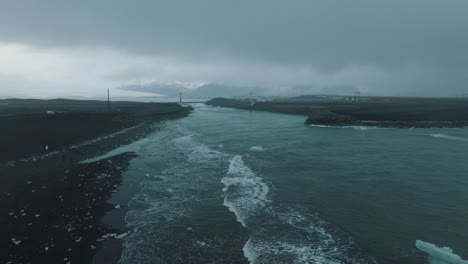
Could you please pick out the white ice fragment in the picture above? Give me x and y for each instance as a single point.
(439, 255)
(37, 215)
(189, 228)
(15, 241)
(256, 148)
(46, 248)
(121, 236)
(117, 206)
(201, 243)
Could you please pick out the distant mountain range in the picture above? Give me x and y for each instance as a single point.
(203, 91)
(211, 90)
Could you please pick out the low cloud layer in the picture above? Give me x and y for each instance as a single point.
(54, 48)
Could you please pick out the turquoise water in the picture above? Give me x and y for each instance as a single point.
(233, 186)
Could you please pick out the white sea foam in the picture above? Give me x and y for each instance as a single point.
(353, 127)
(288, 236)
(256, 148)
(268, 252)
(197, 152)
(445, 136)
(245, 193)
(439, 255)
(160, 206)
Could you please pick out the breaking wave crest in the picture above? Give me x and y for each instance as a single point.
(244, 193)
(445, 136)
(288, 236)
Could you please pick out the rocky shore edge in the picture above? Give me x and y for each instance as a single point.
(407, 113)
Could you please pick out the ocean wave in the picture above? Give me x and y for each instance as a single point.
(160, 213)
(196, 152)
(353, 127)
(244, 193)
(445, 136)
(288, 236)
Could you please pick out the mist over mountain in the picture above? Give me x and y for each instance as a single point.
(211, 90)
(399, 48)
(203, 91)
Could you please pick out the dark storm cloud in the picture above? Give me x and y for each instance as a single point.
(326, 35)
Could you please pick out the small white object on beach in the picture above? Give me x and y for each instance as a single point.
(201, 243)
(15, 241)
(189, 228)
(117, 206)
(46, 248)
(37, 215)
(121, 236)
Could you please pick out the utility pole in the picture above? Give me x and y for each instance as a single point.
(357, 96)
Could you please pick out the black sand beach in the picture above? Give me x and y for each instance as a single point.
(368, 111)
(51, 204)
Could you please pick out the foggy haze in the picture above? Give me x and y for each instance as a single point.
(411, 48)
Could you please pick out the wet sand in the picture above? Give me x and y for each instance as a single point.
(51, 205)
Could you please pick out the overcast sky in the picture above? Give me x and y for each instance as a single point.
(64, 48)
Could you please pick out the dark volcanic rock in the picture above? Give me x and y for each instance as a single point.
(395, 112)
(327, 118)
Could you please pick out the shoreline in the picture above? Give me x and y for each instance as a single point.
(53, 206)
(400, 113)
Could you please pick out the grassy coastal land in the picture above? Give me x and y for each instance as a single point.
(368, 111)
(51, 204)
